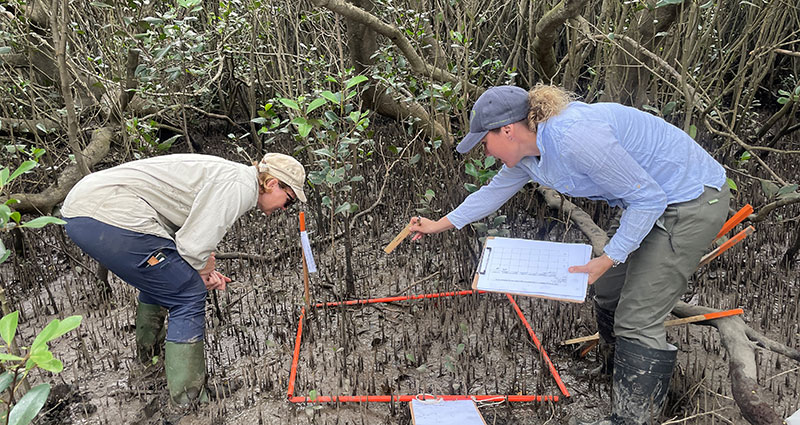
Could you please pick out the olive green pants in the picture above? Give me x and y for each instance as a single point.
(642, 291)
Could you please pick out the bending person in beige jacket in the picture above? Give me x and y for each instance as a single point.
(155, 223)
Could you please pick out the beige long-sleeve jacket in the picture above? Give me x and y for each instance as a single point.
(189, 198)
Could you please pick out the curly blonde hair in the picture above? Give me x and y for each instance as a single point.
(545, 102)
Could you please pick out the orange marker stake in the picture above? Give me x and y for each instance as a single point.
(736, 219)
(724, 247)
(673, 322)
(307, 293)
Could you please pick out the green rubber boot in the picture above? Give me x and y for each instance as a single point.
(186, 372)
(150, 331)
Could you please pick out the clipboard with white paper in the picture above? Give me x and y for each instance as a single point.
(440, 412)
(533, 268)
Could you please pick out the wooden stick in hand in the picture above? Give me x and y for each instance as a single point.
(397, 239)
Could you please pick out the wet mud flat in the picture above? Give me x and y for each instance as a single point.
(409, 347)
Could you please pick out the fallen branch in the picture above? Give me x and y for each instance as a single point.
(787, 52)
(733, 332)
(766, 209)
(596, 235)
(39, 126)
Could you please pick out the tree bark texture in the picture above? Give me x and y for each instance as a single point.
(546, 31)
(59, 28)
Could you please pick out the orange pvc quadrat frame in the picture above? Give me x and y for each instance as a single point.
(409, 397)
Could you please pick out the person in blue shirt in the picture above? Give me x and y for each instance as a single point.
(674, 199)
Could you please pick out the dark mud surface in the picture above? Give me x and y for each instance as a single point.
(465, 345)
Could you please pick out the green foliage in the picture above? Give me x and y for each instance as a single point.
(785, 97)
(426, 202)
(146, 134)
(269, 121)
(331, 124)
(743, 158)
(481, 170)
(16, 368)
(693, 131)
(774, 192)
(668, 108)
(496, 227)
(189, 4)
(29, 405)
(11, 219)
(313, 394)
(662, 3)
(450, 360)
(174, 44)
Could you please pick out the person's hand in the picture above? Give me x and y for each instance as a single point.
(216, 280)
(423, 226)
(596, 267)
(420, 226)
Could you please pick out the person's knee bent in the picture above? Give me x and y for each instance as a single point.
(187, 322)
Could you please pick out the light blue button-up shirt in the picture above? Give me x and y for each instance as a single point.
(610, 152)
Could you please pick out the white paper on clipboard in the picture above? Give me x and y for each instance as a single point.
(533, 268)
(451, 412)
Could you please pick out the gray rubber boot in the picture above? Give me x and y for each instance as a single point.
(641, 382)
(605, 327)
(185, 366)
(150, 331)
(640, 385)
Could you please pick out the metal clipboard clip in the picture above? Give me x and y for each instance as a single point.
(485, 260)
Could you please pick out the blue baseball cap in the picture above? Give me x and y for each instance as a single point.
(496, 107)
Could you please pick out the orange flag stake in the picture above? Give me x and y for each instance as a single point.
(673, 322)
(307, 292)
(736, 219)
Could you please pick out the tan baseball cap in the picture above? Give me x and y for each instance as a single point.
(286, 169)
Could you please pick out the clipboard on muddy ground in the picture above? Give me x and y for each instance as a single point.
(440, 412)
(533, 268)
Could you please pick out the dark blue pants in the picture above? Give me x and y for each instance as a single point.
(171, 283)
